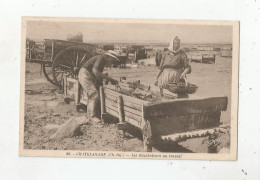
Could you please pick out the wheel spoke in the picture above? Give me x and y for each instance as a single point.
(59, 72)
(83, 58)
(58, 68)
(73, 64)
(70, 74)
(61, 77)
(77, 59)
(56, 75)
(65, 66)
(74, 55)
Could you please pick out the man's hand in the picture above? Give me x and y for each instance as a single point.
(105, 81)
(156, 83)
(113, 81)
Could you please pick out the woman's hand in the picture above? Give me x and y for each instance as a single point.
(183, 75)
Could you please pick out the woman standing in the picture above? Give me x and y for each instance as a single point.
(174, 65)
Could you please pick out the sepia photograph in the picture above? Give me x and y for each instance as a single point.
(129, 88)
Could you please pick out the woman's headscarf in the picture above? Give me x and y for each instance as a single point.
(171, 45)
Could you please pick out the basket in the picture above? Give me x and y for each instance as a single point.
(182, 87)
(75, 38)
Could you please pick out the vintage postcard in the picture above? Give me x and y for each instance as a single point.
(129, 88)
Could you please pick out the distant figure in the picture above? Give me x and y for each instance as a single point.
(156, 59)
(174, 65)
(123, 60)
(159, 57)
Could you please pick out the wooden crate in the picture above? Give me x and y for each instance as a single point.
(71, 89)
(176, 120)
(171, 117)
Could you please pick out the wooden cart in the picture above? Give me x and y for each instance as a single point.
(175, 120)
(58, 57)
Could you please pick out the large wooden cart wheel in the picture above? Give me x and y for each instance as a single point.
(47, 71)
(69, 61)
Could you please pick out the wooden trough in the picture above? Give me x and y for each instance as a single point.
(176, 120)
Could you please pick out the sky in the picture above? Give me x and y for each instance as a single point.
(98, 32)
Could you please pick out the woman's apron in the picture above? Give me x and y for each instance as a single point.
(169, 75)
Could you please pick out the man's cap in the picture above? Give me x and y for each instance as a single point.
(112, 54)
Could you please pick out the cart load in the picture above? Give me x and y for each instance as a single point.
(75, 38)
(58, 57)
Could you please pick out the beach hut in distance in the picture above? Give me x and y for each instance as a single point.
(226, 52)
(216, 48)
(202, 58)
(205, 48)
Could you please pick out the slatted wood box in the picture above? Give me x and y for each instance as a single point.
(72, 91)
(157, 119)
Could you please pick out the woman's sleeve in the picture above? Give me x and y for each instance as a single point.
(186, 63)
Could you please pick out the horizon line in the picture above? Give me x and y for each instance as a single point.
(136, 42)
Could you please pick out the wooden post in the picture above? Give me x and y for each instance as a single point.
(147, 133)
(213, 143)
(77, 98)
(121, 113)
(135, 60)
(65, 85)
(102, 102)
(52, 50)
(30, 52)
